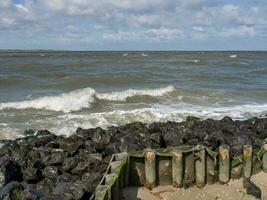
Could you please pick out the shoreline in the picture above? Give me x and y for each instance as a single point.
(43, 165)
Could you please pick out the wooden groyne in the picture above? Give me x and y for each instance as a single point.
(180, 166)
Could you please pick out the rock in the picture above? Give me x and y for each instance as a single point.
(69, 189)
(80, 169)
(31, 175)
(171, 139)
(112, 148)
(9, 171)
(192, 118)
(70, 145)
(251, 188)
(43, 137)
(11, 191)
(29, 132)
(64, 178)
(50, 173)
(56, 197)
(69, 163)
(100, 138)
(90, 181)
(57, 157)
(27, 195)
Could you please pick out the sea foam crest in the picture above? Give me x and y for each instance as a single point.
(82, 98)
(123, 95)
(66, 102)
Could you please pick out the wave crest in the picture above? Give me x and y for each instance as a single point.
(124, 95)
(82, 98)
(66, 102)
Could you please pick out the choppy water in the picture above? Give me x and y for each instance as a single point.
(60, 91)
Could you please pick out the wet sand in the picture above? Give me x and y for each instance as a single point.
(231, 191)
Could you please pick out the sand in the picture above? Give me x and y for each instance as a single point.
(230, 191)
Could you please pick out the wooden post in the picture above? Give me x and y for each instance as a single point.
(200, 168)
(224, 164)
(101, 194)
(247, 165)
(150, 169)
(264, 158)
(189, 169)
(177, 168)
(112, 180)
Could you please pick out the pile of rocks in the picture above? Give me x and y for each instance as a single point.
(46, 166)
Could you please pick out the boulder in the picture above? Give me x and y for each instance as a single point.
(11, 191)
(72, 190)
(50, 173)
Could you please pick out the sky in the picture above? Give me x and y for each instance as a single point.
(133, 24)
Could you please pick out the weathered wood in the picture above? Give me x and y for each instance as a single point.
(112, 180)
(189, 169)
(137, 171)
(177, 168)
(101, 193)
(200, 168)
(224, 164)
(247, 165)
(211, 171)
(264, 159)
(150, 169)
(164, 170)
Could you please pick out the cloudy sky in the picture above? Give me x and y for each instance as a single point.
(133, 24)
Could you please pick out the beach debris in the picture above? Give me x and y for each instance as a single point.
(252, 188)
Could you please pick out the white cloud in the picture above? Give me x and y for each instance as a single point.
(129, 20)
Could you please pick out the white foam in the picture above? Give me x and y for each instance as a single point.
(82, 98)
(66, 102)
(123, 95)
(233, 56)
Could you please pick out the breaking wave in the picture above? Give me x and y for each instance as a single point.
(82, 98)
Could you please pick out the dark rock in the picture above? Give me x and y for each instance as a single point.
(10, 171)
(27, 195)
(80, 169)
(50, 173)
(57, 157)
(251, 188)
(171, 139)
(70, 145)
(69, 163)
(64, 178)
(11, 191)
(31, 174)
(43, 137)
(29, 132)
(90, 181)
(69, 189)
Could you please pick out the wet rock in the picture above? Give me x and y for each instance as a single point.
(43, 137)
(69, 189)
(31, 175)
(100, 138)
(50, 173)
(80, 169)
(57, 157)
(27, 195)
(69, 163)
(90, 181)
(11, 191)
(64, 178)
(71, 146)
(171, 139)
(9, 171)
(251, 188)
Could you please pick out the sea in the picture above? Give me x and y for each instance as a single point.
(63, 90)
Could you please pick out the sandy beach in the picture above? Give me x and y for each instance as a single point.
(231, 191)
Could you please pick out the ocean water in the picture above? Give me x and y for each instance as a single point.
(61, 91)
